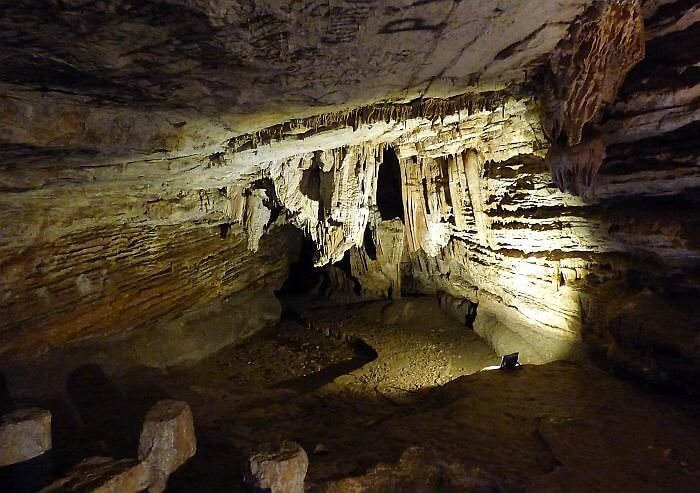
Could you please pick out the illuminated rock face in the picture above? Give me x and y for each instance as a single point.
(130, 200)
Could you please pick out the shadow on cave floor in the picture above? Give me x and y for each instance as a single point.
(363, 354)
(368, 381)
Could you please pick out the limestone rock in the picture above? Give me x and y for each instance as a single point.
(504, 340)
(104, 475)
(144, 273)
(278, 470)
(461, 309)
(24, 434)
(123, 87)
(587, 71)
(167, 440)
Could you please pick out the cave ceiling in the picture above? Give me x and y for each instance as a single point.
(180, 76)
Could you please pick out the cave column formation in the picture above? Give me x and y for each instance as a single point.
(547, 176)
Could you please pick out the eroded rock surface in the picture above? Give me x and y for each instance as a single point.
(153, 172)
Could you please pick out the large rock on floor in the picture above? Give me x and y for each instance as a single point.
(24, 434)
(280, 470)
(104, 475)
(167, 440)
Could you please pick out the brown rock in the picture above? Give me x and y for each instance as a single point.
(278, 471)
(24, 434)
(104, 475)
(144, 211)
(167, 440)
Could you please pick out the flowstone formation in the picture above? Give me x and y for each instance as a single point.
(583, 76)
(537, 159)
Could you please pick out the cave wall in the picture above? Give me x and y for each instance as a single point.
(127, 204)
(123, 125)
(99, 259)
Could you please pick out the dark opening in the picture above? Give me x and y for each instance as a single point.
(444, 182)
(303, 275)
(344, 264)
(426, 201)
(272, 202)
(368, 243)
(389, 198)
(310, 185)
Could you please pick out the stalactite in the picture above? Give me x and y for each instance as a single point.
(574, 168)
(429, 109)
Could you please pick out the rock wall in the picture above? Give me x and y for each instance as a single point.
(96, 259)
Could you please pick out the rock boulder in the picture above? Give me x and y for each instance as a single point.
(167, 440)
(24, 434)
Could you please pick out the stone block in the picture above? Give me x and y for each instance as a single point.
(104, 475)
(167, 440)
(280, 470)
(24, 434)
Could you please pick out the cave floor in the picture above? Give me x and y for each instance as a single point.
(359, 384)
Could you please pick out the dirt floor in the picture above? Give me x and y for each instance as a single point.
(358, 385)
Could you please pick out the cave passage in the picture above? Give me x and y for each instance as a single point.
(284, 246)
(389, 187)
(303, 274)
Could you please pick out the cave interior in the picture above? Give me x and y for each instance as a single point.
(284, 246)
